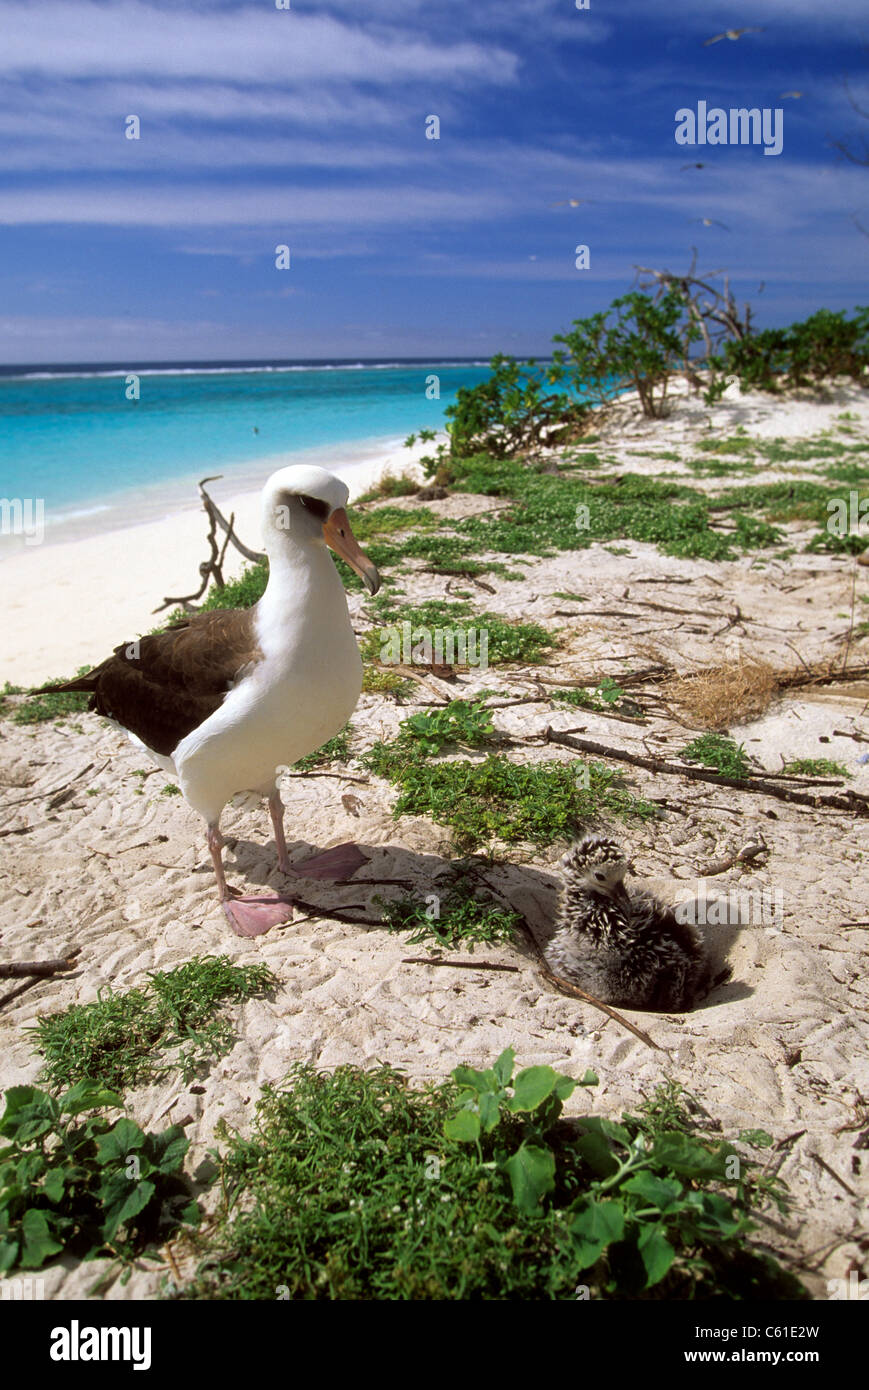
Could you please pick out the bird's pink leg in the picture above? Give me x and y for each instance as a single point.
(338, 863)
(276, 811)
(251, 915)
(247, 915)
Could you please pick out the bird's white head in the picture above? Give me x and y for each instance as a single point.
(305, 506)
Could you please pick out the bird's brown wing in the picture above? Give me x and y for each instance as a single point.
(163, 686)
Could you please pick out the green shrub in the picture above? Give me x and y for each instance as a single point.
(816, 767)
(353, 1186)
(511, 411)
(511, 802)
(462, 917)
(85, 1187)
(825, 344)
(638, 342)
(118, 1039)
(718, 752)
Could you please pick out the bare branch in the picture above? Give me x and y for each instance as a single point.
(212, 568)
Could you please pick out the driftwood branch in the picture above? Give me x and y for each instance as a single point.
(212, 568)
(33, 971)
(840, 801)
(711, 310)
(18, 969)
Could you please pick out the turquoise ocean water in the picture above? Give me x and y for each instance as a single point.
(70, 436)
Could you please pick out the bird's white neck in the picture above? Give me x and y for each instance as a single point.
(304, 588)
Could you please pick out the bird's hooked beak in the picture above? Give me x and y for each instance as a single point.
(340, 538)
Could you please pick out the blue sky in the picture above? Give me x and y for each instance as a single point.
(307, 127)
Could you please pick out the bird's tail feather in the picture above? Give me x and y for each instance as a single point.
(79, 683)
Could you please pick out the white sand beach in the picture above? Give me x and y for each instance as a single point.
(96, 857)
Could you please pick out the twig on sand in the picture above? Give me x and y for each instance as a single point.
(337, 914)
(567, 987)
(173, 1264)
(827, 677)
(11, 971)
(337, 776)
(8, 805)
(834, 1175)
(648, 673)
(459, 964)
(16, 969)
(742, 856)
(841, 801)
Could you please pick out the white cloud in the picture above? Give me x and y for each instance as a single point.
(256, 43)
(217, 205)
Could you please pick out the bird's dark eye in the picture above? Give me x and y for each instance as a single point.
(600, 877)
(319, 508)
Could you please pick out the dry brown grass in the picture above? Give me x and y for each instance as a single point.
(717, 696)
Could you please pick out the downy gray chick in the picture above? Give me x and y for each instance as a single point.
(627, 949)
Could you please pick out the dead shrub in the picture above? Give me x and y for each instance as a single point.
(717, 696)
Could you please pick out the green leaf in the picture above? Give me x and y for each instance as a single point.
(38, 1244)
(464, 1127)
(477, 1080)
(597, 1154)
(688, 1158)
(531, 1087)
(758, 1138)
(88, 1095)
(124, 1137)
(656, 1253)
(718, 1213)
(609, 1129)
(191, 1214)
(167, 1149)
(565, 1086)
(590, 1079)
(661, 1192)
(54, 1184)
(532, 1174)
(594, 1227)
(503, 1067)
(122, 1200)
(29, 1113)
(8, 1254)
(490, 1111)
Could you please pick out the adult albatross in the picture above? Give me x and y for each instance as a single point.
(223, 699)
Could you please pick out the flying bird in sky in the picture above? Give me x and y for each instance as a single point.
(570, 202)
(734, 34)
(709, 222)
(796, 95)
(691, 166)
